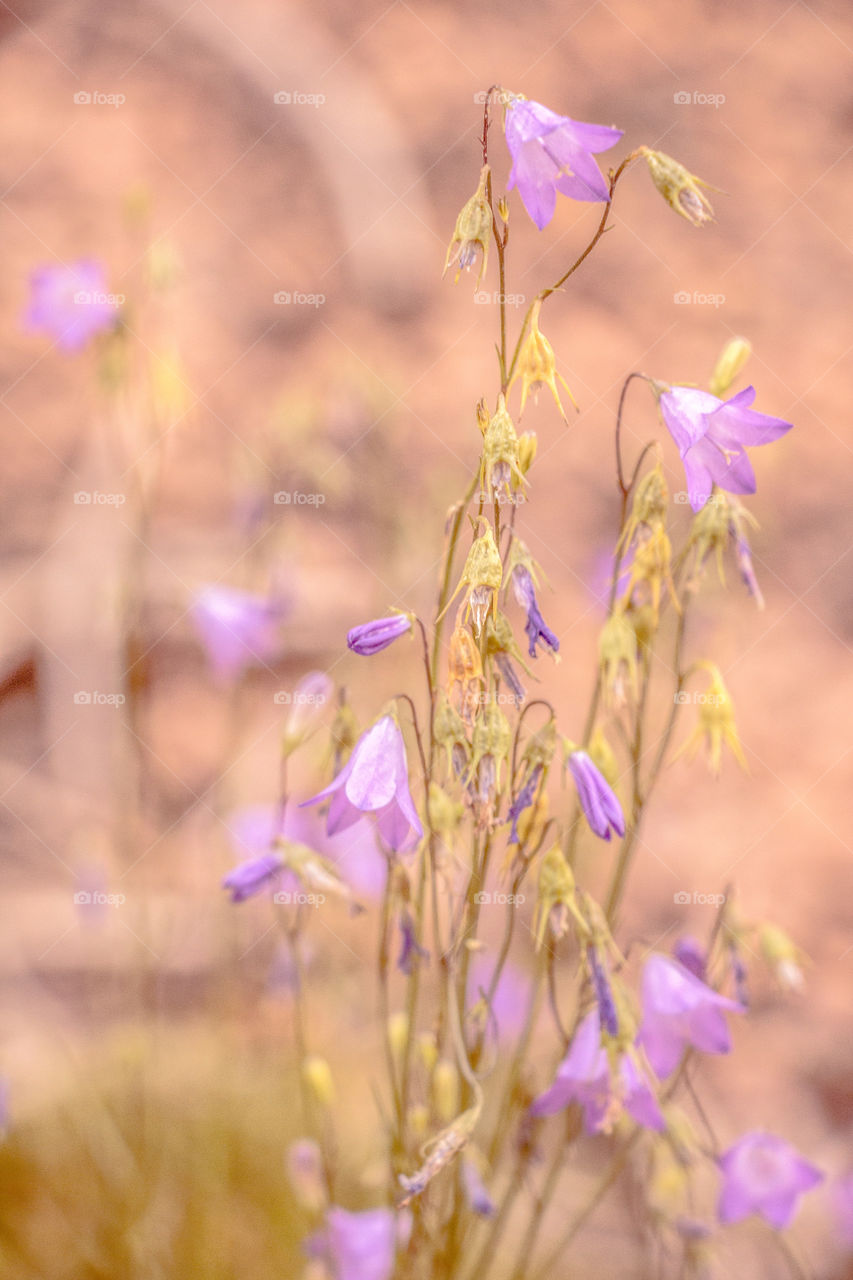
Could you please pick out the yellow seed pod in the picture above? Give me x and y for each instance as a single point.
(499, 465)
(537, 366)
(398, 1032)
(448, 725)
(715, 726)
(317, 1075)
(527, 448)
(617, 660)
(482, 576)
(555, 896)
(472, 232)
(427, 1049)
(445, 1090)
(464, 677)
(419, 1121)
(680, 188)
(491, 737)
(733, 357)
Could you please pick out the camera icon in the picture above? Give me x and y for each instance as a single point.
(681, 497)
(83, 499)
(82, 699)
(283, 97)
(282, 698)
(282, 297)
(681, 697)
(283, 899)
(481, 296)
(681, 98)
(681, 899)
(482, 897)
(82, 98)
(682, 297)
(82, 898)
(282, 499)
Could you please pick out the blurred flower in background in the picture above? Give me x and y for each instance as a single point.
(764, 1175)
(238, 629)
(71, 304)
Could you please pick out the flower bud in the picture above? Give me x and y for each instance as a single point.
(373, 637)
(427, 1049)
(527, 447)
(317, 1075)
(472, 232)
(445, 1090)
(419, 1120)
(782, 955)
(679, 187)
(733, 357)
(398, 1032)
(602, 756)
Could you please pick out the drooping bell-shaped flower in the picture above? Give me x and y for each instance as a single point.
(237, 628)
(375, 780)
(357, 1246)
(585, 1077)
(71, 304)
(598, 799)
(764, 1174)
(552, 153)
(254, 876)
(679, 1010)
(538, 632)
(711, 435)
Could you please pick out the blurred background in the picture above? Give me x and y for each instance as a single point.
(271, 188)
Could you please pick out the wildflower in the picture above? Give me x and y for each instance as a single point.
(70, 304)
(357, 1246)
(679, 187)
(464, 677)
(490, 746)
(373, 637)
(375, 780)
(598, 800)
(472, 231)
(764, 1174)
(617, 660)
(555, 899)
(253, 876)
(237, 628)
(410, 949)
(603, 992)
(692, 955)
(479, 1200)
(680, 1010)
(552, 153)
(522, 801)
(538, 632)
(722, 523)
(585, 1076)
(537, 367)
(715, 724)
(711, 434)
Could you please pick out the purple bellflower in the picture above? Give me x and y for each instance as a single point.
(764, 1174)
(690, 952)
(373, 637)
(479, 1200)
(254, 876)
(525, 594)
(711, 433)
(375, 780)
(598, 799)
(236, 628)
(680, 1010)
(357, 1246)
(552, 153)
(71, 303)
(584, 1076)
(523, 801)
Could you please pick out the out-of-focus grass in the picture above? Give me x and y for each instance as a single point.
(158, 1157)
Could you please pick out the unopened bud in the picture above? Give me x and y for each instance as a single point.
(445, 1090)
(733, 357)
(419, 1120)
(317, 1075)
(427, 1049)
(680, 188)
(398, 1032)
